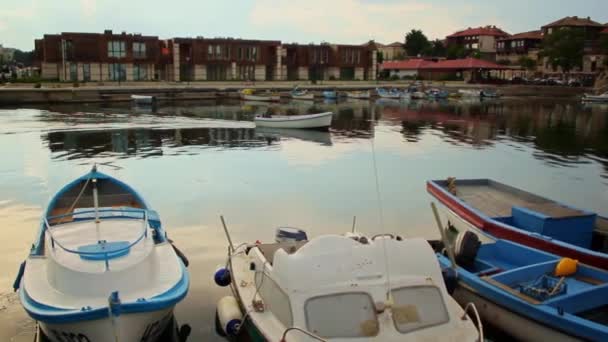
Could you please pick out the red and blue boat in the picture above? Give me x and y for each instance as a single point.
(508, 213)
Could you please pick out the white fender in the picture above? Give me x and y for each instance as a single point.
(230, 315)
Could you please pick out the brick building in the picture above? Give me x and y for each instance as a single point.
(482, 39)
(513, 48)
(98, 57)
(133, 57)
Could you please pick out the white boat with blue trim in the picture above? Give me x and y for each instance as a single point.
(319, 121)
(338, 288)
(101, 268)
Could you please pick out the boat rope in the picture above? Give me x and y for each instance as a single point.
(381, 216)
(76, 200)
(305, 332)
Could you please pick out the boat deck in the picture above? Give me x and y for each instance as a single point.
(269, 249)
(494, 201)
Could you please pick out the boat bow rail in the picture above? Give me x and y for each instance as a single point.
(102, 250)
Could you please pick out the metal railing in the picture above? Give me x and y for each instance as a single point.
(105, 254)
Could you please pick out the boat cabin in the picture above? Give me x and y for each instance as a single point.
(343, 288)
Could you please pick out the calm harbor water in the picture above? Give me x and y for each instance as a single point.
(195, 161)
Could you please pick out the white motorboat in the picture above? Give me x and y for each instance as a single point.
(250, 95)
(339, 288)
(143, 99)
(603, 98)
(320, 120)
(102, 268)
(362, 95)
(470, 92)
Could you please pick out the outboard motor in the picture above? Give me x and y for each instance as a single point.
(466, 248)
(290, 234)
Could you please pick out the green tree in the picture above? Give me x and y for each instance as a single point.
(503, 62)
(24, 57)
(564, 48)
(379, 57)
(527, 63)
(416, 43)
(436, 48)
(456, 51)
(604, 42)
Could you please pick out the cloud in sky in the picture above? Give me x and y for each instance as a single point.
(340, 21)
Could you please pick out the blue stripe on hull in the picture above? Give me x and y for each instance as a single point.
(54, 315)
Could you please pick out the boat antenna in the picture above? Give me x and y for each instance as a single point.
(444, 237)
(380, 213)
(231, 246)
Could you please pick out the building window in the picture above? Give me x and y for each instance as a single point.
(73, 72)
(140, 72)
(358, 57)
(218, 51)
(254, 53)
(210, 51)
(116, 49)
(239, 53)
(86, 72)
(139, 50)
(117, 72)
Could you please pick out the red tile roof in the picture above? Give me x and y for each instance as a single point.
(525, 35)
(451, 64)
(480, 31)
(574, 21)
(605, 30)
(410, 64)
(466, 63)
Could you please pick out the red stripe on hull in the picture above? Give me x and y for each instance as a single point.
(514, 235)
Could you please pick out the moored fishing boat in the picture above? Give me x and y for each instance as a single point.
(102, 267)
(389, 94)
(330, 94)
(436, 93)
(513, 214)
(490, 93)
(340, 288)
(301, 94)
(527, 293)
(362, 95)
(418, 95)
(470, 92)
(319, 120)
(250, 95)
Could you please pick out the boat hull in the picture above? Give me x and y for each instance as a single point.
(517, 326)
(504, 231)
(322, 120)
(308, 97)
(145, 326)
(595, 99)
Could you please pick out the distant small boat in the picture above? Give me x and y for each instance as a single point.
(301, 94)
(436, 93)
(338, 288)
(389, 94)
(250, 95)
(330, 94)
(490, 93)
(418, 95)
(143, 99)
(363, 95)
(320, 120)
(470, 92)
(603, 98)
(101, 268)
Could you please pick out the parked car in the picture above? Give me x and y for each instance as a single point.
(574, 83)
(519, 80)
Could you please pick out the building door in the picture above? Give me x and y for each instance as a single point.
(347, 74)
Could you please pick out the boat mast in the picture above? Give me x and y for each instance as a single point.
(96, 203)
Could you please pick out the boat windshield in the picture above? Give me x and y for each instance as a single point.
(342, 315)
(417, 308)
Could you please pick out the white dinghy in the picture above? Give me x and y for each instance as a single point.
(339, 288)
(320, 120)
(143, 99)
(301, 94)
(361, 95)
(102, 268)
(603, 98)
(251, 95)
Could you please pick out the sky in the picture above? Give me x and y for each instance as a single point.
(336, 21)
